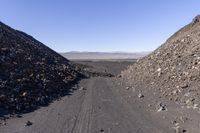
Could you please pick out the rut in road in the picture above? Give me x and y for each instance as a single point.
(84, 119)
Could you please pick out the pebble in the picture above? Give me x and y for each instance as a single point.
(82, 88)
(161, 107)
(119, 76)
(140, 95)
(4, 123)
(178, 129)
(183, 119)
(28, 123)
(101, 130)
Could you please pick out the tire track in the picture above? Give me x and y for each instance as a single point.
(83, 121)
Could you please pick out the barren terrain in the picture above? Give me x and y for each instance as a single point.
(108, 105)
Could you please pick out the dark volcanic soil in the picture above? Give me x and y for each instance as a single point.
(113, 67)
(104, 105)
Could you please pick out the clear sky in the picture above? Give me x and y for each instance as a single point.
(99, 25)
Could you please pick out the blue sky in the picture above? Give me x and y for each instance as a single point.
(99, 25)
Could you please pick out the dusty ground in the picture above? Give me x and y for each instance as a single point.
(106, 105)
(112, 66)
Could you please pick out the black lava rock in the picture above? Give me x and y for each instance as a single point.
(31, 74)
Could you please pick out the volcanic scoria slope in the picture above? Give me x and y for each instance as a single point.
(31, 74)
(173, 69)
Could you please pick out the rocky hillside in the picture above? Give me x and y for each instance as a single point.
(31, 74)
(174, 68)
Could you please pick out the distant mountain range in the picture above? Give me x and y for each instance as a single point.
(73, 55)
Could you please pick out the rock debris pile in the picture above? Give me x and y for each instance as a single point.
(31, 74)
(174, 68)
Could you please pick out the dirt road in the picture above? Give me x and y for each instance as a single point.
(97, 106)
